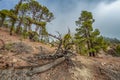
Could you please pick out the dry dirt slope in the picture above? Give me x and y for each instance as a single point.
(85, 68)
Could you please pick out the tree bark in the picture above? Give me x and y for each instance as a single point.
(12, 28)
(3, 44)
(46, 67)
(18, 27)
(2, 21)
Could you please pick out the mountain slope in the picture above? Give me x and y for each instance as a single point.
(85, 68)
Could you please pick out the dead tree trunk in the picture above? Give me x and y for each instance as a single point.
(46, 67)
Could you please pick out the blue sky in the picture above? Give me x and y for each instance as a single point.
(66, 12)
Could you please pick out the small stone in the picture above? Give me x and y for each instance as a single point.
(15, 60)
(1, 55)
(103, 63)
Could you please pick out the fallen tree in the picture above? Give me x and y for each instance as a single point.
(46, 67)
(58, 57)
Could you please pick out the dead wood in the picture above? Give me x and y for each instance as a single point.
(60, 44)
(58, 57)
(48, 56)
(59, 38)
(46, 67)
(54, 56)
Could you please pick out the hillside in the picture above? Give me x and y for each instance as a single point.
(103, 67)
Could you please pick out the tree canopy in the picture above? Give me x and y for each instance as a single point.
(25, 16)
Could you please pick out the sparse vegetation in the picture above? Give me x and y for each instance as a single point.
(23, 54)
(118, 50)
(20, 48)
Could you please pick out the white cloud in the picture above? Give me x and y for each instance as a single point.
(107, 18)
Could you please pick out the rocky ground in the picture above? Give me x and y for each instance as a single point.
(18, 51)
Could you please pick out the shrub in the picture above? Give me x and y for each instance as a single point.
(118, 50)
(33, 36)
(25, 34)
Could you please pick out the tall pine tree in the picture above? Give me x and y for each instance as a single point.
(88, 40)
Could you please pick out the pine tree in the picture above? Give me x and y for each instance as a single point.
(3, 16)
(88, 40)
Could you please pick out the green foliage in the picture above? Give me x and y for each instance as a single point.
(33, 36)
(20, 30)
(25, 14)
(3, 16)
(118, 49)
(88, 40)
(8, 46)
(36, 38)
(80, 44)
(25, 34)
(67, 38)
(67, 41)
(12, 29)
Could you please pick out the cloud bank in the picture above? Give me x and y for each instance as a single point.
(105, 12)
(107, 18)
